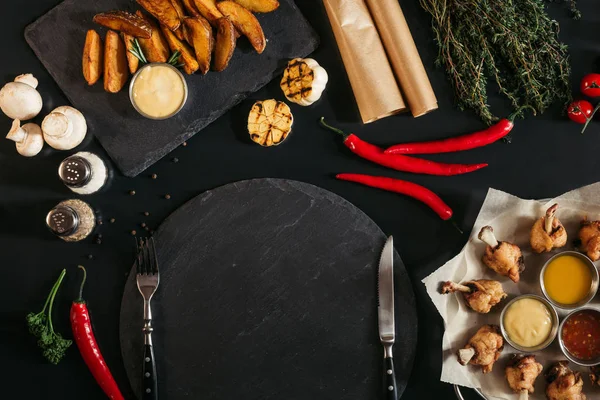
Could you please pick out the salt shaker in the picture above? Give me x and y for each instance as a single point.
(83, 172)
(71, 220)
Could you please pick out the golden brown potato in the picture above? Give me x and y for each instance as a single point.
(156, 49)
(199, 35)
(245, 22)
(190, 8)
(125, 22)
(92, 57)
(225, 44)
(132, 60)
(115, 63)
(187, 58)
(179, 32)
(163, 11)
(209, 10)
(259, 6)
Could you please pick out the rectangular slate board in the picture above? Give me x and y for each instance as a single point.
(132, 141)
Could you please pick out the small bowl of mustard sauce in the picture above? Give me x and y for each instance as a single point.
(529, 323)
(158, 91)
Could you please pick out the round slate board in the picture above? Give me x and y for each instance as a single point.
(268, 291)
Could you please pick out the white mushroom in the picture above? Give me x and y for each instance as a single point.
(19, 99)
(64, 128)
(28, 138)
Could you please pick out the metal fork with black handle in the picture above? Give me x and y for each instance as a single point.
(147, 281)
(385, 310)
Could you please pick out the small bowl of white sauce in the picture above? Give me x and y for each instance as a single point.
(158, 91)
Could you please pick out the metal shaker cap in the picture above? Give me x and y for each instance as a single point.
(62, 220)
(75, 171)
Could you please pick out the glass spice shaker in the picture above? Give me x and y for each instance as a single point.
(83, 172)
(71, 220)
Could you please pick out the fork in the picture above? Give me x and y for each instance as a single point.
(147, 281)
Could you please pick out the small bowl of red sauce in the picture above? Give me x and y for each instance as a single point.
(579, 336)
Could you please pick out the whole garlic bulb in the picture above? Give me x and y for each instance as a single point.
(303, 81)
(20, 99)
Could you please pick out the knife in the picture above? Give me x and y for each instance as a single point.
(385, 310)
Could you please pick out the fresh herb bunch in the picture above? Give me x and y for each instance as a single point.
(137, 51)
(53, 345)
(513, 42)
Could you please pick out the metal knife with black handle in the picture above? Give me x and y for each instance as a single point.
(385, 309)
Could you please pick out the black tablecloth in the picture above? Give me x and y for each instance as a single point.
(548, 156)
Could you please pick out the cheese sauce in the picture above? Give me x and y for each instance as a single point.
(158, 91)
(567, 279)
(528, 322)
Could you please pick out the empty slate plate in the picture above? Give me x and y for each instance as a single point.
(268, 291)
(132, 141)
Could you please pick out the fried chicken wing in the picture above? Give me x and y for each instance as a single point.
(521, 374)
(481, 295)
(483, 348)
(564, 384)
(548, 232)
(503, 257)
(589, 236)
(595, 375)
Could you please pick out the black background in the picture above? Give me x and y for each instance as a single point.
(548, 156)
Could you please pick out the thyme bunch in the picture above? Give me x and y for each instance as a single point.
(512, 42)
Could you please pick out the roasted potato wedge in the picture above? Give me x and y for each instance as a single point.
(245, 22)
(156, 49)
(225, 44)
(132, 60)
(208, 9)
(187, 58)
(125, 22)
(179, 32)
(190, 7)
(115, 63)
(163, 11)
(259, 6)
(92, 61)
(199, 35)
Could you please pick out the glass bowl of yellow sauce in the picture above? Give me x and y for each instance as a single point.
(529, 323)
(569, 280)
(158, 91)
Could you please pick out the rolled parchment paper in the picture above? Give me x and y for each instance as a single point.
(403, 55)
(375, 88)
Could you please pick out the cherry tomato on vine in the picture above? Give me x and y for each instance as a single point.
(590, 85)
(580, 111)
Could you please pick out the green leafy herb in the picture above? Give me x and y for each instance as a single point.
(52, 344)
(137, 51)
(575, 13)
(512, 42)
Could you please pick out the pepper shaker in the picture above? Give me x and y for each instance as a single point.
(71, 220)
(83, 172)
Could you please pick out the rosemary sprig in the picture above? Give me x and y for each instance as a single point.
(137, 51)
(511, 42)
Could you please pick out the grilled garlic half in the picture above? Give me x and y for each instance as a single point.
(303, 81)
(270, 122)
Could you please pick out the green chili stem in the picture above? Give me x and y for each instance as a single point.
(80, 299)
(331, 128)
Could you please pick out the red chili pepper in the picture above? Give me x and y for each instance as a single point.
(580, 111)
(459, 143)
(415, 165)
(84, 337)
(403, 187)
(590, 85)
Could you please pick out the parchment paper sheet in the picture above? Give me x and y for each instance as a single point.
(403, 55)
(511, 218)
(375, 89)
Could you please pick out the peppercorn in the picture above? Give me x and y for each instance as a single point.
(184, 144)
(167, 196)
(132, 192)
(154, 176)
(98, 241)
(175, 160)
(90, 256)
(146, 213)
(143, 224)
(133, 232)
(112, 220)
